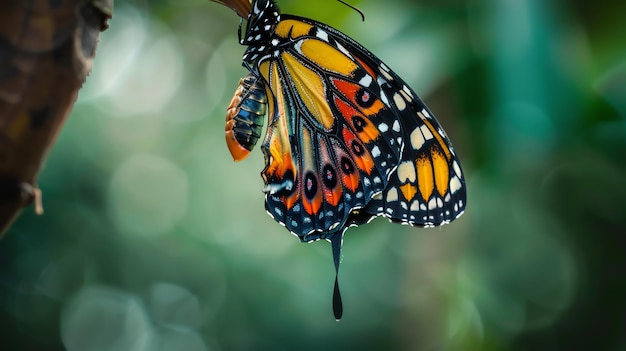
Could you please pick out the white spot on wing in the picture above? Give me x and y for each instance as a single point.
(406, 96)
(396, 126)
(400, 103)
(426, 132)
(322, 35)
(417, 139)
(406, 172)
(383, 98)
(432, 204)
(457, 169)
(455, 185)
(342, 49)
(375, 151)
(384, 70)
(298, 46)
(383, 127)
(366, 81)
(407, 90)
(392, 195)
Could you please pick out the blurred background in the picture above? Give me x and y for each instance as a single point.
(153, 239)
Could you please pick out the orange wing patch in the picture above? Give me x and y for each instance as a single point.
(441, 170)
(333, 191)
(360, 155)
(408, 191)
(425, 181)
(369, 104)
(359, 123)
(349, 175)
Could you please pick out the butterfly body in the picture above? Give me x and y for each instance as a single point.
(347, 139)
(244, 117)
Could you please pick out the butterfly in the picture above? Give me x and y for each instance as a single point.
(347, 139)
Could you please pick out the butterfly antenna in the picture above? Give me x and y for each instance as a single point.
(354, 8)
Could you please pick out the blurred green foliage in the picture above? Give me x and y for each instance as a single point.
(153, 239)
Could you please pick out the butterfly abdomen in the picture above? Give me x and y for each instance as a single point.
(244, 117)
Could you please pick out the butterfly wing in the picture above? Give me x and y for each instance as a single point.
(347, 139)
(314, 175)
(427, 186)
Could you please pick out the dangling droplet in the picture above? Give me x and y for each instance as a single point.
(337, 304)
(336, 242)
